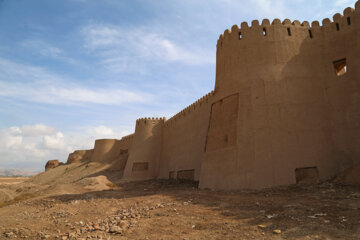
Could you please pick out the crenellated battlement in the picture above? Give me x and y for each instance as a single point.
(152, 120)
(256, 29)
(198, 103)
(263, 31)
(127, 137)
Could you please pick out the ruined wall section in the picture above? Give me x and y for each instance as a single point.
(184, 137)
(283, 76)
(144, 158)
(113, 151)
(80, 156)
(110, 149)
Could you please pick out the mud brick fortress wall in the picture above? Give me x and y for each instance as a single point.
(286, 104)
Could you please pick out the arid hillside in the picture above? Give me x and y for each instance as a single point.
(89, 201)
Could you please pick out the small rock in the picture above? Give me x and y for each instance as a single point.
(115, 229)
(9, 234)
(123, 224)
(277, 231)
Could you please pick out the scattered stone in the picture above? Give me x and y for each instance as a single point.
(9, 234)
(115, 229)
(277, 231)
(123, 224)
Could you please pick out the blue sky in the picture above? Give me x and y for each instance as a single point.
(72, 71)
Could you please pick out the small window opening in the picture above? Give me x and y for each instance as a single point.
(289, 31)
(240, 35)
(337, 27)
(310, 34)
(264, 31)
(340, 67)
(348, 21)
(220, 44)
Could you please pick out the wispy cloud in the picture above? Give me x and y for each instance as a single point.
(342, 3)
(115, 44)
(38, 85)
(46, 50)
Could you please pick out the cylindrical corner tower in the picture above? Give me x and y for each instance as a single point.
(145, 150)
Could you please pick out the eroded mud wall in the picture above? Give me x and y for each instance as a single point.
(110, 149)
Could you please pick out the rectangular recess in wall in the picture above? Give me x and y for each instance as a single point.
(186, 175)
(223, 124)
(172, 175)
(140, 166)
(340, 67)
(307, 175)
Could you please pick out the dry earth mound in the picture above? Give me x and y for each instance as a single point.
(98, 183)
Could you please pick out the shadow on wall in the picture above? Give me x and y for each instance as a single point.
(316, 108)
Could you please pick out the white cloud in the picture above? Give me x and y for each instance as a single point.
(37, 130)
(102, 130)
(11, 137)
(38, 143)
(46, 87)
(114, 43)
(55, 141)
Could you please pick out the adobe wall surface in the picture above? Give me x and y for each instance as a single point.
(109, 149)
(281, 96)
(184, 137)
(144, 158)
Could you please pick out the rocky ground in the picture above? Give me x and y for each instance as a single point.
(172, 210)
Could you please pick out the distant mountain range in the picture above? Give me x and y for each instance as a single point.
(16, 173)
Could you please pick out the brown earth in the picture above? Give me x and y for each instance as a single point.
(86, 201)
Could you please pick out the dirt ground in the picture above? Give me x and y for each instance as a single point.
(172, 210)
